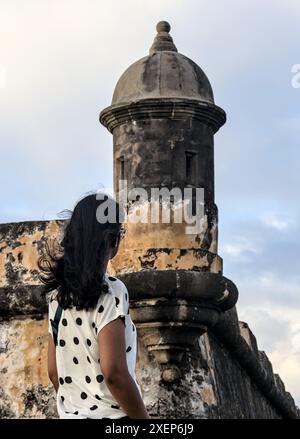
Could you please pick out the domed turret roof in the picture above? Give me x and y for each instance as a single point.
(164, 84)
(164, 73)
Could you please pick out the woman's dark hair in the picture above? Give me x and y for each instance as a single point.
(75, 267)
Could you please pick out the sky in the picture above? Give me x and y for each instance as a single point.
(59, 63)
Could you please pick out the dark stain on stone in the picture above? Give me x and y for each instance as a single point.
(199, 253)
(41, 399)
(12, 275)
(198, 239)
(10, 257)
(146, 263)
(15, 244)
(210, 258)
(40, 243)
(3, 349)
(197, 268)
(38, 317)
(34, 274)
(198, 378)
(5, 407)
(183, 252)
(154, 251)
(207, 239)
(149, 76)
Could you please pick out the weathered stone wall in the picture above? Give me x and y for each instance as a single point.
(25, 388)
(26, 391)
(216, 381)
(214, 385)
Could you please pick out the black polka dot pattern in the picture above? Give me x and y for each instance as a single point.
(81, 364)
(105, 288)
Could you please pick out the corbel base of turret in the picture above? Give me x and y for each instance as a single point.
(172, 308)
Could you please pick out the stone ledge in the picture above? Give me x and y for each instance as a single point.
(22, 300)
(170, 108)
(183, 284)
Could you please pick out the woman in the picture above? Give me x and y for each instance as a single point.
(92, 341)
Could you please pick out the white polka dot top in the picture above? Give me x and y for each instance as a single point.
(82, 391)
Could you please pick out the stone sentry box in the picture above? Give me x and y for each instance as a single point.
(163, 119)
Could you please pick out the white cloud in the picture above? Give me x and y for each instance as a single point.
(278, 221)
(269, 289)
(271, 220)
(239, 247)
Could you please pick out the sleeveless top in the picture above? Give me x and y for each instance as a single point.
(82, 391)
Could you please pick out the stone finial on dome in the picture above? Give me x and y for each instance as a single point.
(163, 40)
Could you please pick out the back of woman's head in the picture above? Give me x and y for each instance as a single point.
(76, 269)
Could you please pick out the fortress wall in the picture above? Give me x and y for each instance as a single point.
(26, 391)
(217, 379)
